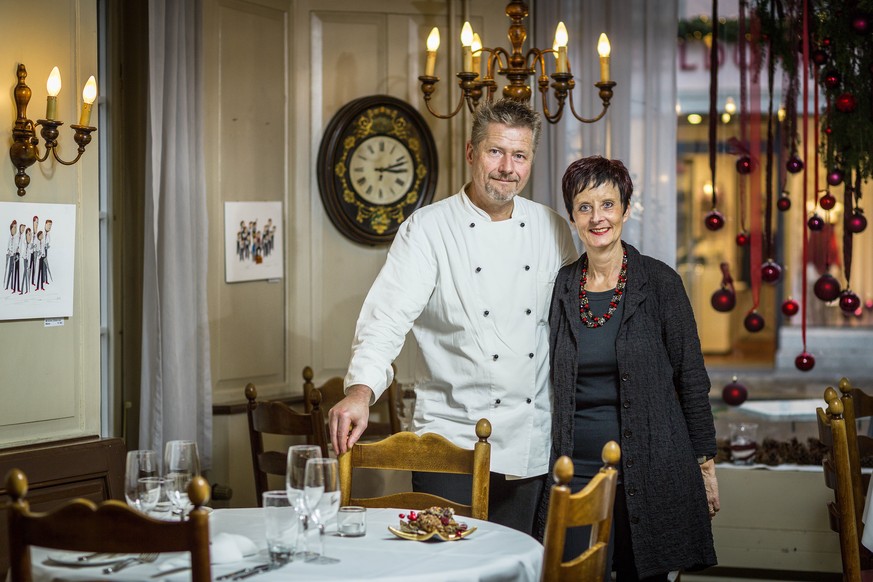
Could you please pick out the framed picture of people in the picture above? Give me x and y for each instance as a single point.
(39, 251)
(253, 248)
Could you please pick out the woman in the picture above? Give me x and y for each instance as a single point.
(626, 366)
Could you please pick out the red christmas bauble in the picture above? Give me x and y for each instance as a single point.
(861, 24)
(804, 362)
(734, 393)
(754, 322)
(868, 305)
(790, 307)
(714, 220)
(832, 79)
(846, 103)
(771, 272)
(835, 177)
(723, 300)
(849, 302)
(819, 56)
(828, 130)
(826, 42)
(857, 222)
(744, 165)
(827, 201)
(742, 239)
(783, 203)
(815, 222)
(827, 288)
(794, 164)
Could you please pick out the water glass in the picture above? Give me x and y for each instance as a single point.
(280, 523)
(744, 442)
(321, 495)
(181, 464)
(351, 521)
(295, 473)
(139, 465)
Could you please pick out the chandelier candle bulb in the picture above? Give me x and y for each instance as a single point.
(603, 49)
(53, 87)
(89, 94)
(433, 43)
(476, 47)
(467, 46)
(561, 38)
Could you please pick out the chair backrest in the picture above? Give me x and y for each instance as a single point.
(590, 506)
(430, 453)
(837, 473)
(111, 526)
(387, 407)
(277, 418)
(857, 405)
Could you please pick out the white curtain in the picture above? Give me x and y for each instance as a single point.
(640, 126)
(176, 398)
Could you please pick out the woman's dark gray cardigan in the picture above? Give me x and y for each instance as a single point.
(665, 415)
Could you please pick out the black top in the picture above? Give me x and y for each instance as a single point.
(596, 416)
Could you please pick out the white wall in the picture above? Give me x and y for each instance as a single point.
(51, 376)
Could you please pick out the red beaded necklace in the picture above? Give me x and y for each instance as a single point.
(585, 308)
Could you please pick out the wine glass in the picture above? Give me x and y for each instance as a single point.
(181, 464)
(140, 464)
(295, 473)
(321, 495)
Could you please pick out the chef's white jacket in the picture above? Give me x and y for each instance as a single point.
(476, 294)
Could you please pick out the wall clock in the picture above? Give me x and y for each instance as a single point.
(377, 163)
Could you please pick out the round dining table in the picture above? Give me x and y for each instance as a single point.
(491, 553)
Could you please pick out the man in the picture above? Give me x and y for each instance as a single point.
(472, 277)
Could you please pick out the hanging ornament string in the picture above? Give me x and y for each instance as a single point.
(815, 134)
(744, 111)
(805, 247)
(755, 151)
(768, 208)
(847, 231)
(713, 97)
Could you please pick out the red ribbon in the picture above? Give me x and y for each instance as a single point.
(805, 43)
(755, 176)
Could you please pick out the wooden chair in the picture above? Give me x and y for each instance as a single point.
(857, 404)
(387, 407)
(271, 417)
(837, 472)
(432, 453)
(111, 526)
(590, 506)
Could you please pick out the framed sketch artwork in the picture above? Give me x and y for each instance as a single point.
(39, 243)
(253, 248)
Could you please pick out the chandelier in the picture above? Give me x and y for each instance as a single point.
(517, 66)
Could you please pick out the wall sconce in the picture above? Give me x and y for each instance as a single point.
(24, 151)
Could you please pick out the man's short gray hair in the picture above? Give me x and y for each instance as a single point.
(507, 112)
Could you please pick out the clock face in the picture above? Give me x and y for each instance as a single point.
(380, 168)
(377, 164)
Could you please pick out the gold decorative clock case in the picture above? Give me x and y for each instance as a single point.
(377, 163)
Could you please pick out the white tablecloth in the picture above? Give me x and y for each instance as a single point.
(491, 553)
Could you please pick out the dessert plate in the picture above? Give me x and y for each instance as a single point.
(421, 537)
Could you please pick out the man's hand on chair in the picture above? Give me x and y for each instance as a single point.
(348, 418)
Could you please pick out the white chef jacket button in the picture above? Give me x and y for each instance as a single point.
(530, 355)
(527, 267)
(528, 401)
(522, 225)
(495, 357)
(527, 311)
(497, 401)
(478, 269)
(472, 224)
(486, 313)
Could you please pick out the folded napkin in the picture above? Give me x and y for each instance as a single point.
(224, 548)
(230, 547)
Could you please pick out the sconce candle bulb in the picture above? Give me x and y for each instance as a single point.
(52, 87)
(433, 43)
(467, 47)
(561, 38)
(604, 49)
(89, 94)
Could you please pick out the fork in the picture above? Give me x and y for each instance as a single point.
(141, 559)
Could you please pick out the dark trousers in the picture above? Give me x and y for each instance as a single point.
(621, 551)
(512, 502)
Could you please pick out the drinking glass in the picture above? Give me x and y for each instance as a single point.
(181, 464)
(140, 464)
(280, 525)
(295, 473)
(744, 442)
(321, 495)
